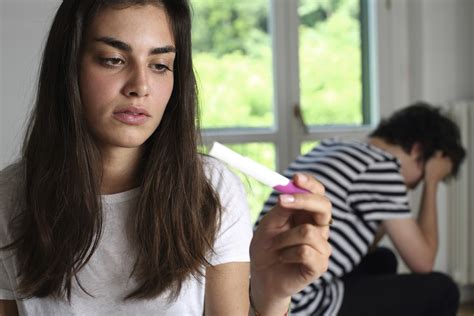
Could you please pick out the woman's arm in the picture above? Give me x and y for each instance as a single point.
(227, 289)
(289, 250)
(8, 308)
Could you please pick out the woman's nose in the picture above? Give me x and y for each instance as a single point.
(137, 85)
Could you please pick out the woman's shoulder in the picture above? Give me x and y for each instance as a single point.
(11, 179)
(218, 173)
(12, 171)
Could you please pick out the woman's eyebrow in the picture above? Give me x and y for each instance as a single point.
(163, 50)
(127, 48)
(115, 43)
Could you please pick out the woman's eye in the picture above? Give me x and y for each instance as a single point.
(112, 62)
(160, 67)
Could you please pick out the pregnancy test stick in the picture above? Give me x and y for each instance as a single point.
(254, 169)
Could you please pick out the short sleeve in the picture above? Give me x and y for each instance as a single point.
(235, 232)
(6, 291)
(380, 193)
(9, 181)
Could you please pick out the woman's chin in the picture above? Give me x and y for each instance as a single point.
(123, 143)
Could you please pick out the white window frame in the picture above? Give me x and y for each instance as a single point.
(288, 134)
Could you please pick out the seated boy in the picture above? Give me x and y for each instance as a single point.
(367, 183)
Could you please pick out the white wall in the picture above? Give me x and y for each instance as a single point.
(426, 53)
(447, 49)
(24, 24)
(448, 74)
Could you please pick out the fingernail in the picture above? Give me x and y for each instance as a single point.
(286, 198)
(302, 178)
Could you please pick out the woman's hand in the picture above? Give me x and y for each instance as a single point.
(290, 247)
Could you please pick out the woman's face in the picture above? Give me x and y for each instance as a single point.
(126, 74)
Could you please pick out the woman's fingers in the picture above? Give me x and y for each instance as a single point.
(313, 263)
(307, 234)
(308, 182)
(317, 205)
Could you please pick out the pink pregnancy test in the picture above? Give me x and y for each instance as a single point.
(254, 169)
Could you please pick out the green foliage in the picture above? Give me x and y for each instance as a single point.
(234, 90)
(331, 88)
(313, 12)
(224, 27)
(306, 147)
(232, 56)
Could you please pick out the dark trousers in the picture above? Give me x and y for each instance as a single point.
(374, 288)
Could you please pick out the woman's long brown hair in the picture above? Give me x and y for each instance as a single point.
(176, 218)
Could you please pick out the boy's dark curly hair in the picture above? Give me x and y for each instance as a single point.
(424, 124)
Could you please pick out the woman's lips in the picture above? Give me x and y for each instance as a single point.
(131, 116)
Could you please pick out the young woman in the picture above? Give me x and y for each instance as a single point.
(111, 209)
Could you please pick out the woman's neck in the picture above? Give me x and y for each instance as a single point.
(121, 169)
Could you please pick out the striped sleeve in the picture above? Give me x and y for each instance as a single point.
(380, 193)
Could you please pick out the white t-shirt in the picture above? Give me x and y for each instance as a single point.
(107, 275)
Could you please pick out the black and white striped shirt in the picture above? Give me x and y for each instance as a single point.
(365, 187)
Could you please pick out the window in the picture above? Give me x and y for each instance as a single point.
(330, 62)
(232, 57)
(276, 76)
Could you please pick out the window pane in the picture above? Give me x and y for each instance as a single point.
(330, 62)
(232, 58)
(306, 147)
(257, 193)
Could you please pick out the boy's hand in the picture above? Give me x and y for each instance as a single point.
(438, 168)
